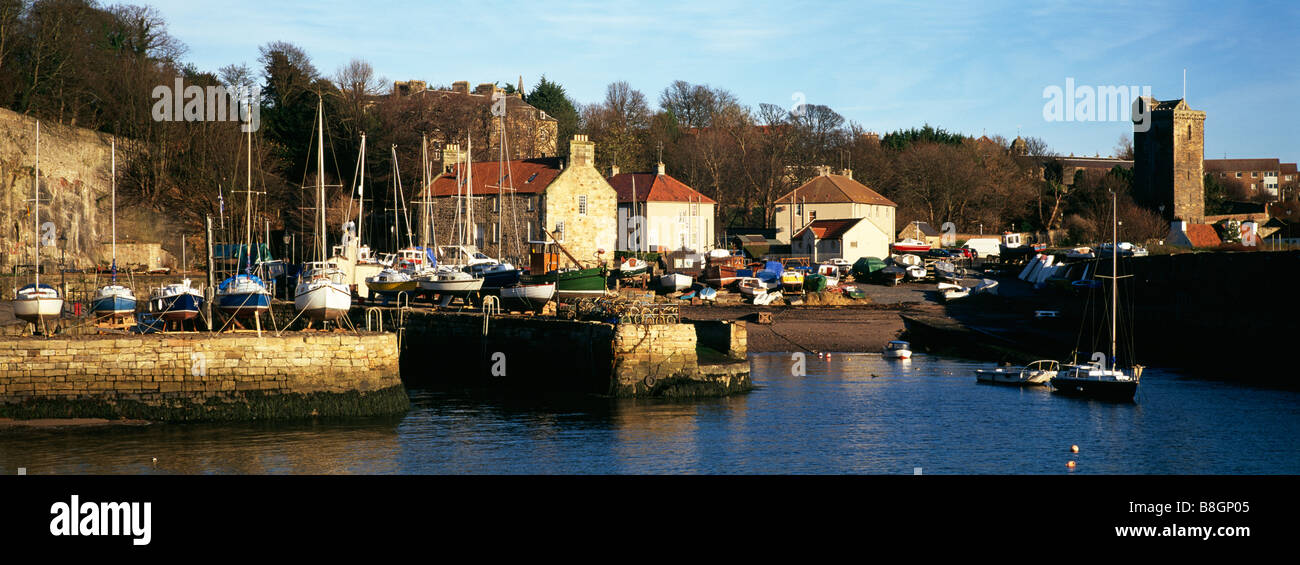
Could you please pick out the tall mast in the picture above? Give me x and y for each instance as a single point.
(397, 232)
(424, 183)
(248, 199)
(469, 189)
(361, 191)
(36, 233)
(1114, 272)
(114, 202)
(320, 177)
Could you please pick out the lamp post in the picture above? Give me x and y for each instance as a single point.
(63, 259)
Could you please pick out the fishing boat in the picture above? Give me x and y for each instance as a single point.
(722, 270)
(1036, 373)
(910, 246)
(897, 350)
(631, 267)
(38, 304)
(527, 296)
(175, 302)
(673, 282)
(113, 301)
(245, 295)
(322, 293)
(1103, 379)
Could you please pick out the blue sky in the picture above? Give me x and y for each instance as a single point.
(975, 68)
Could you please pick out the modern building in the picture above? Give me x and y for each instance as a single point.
(836, 197)
(657, 212)
(1255, 175)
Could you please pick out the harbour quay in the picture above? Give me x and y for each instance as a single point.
(542, 355)
(191, 377)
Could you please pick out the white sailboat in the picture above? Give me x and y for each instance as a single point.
(38, 304)
(450, 279)
(322, 293)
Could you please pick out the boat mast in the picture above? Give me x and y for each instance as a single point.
(37, 231)
(320, 177)
(361, 193)
(114, 203)
(424, 182)
(1114, 278)
(469, 191)
(248, 202)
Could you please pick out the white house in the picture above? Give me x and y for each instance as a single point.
(836, 197)
(849, 239)
(657, 212)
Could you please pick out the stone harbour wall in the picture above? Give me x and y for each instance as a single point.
(678, 360)
(201, 377)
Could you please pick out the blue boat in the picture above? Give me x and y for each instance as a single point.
(113, 301)
(175, 302)
(243, 296)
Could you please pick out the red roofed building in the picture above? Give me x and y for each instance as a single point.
(849, 239)
(1254, 174)
(657, 212)
(836, 197)
(511, 203)
(1184, 234)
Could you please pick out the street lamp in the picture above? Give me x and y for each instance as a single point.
(63, 258)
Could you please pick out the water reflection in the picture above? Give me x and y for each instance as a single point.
(848, 413)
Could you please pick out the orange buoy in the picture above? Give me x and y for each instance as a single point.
(1074, 449)
(1070, 464)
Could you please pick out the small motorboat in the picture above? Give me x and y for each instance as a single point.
(985, 286)
(952, 294)
(527, 296)
(831, 272)
(1036, 373)
(709, 294)
(916, 273)
(792, 281)
(852, 291)
(673, 282)
(631, 267)
(897, 350)
(751, 287)
(890, 275)
(767, 298)
(910, 246)
(945, 271)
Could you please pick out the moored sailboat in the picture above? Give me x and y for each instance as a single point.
(322, 293)
(38, 304)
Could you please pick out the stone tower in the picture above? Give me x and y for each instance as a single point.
(1169, 159)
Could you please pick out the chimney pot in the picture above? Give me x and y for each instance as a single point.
(661, 168)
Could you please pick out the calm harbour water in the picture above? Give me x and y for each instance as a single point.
(853, 413)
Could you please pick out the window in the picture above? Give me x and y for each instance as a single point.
(529, 200)
(812, 215)
(582, 205)
(559, 231)
(496, 205)
(1254, 174)
(1238, 175)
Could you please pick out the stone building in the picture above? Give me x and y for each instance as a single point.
(1169, 160)
(530, 132)
(511, 203)
(657, 212)
(835, 197)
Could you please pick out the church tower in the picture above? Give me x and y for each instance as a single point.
(1169, 159)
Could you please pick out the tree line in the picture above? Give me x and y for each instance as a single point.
(82, 63)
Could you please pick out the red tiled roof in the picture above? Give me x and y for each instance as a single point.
(835, 188)
(829, 229)
(527, 176)
(1241, 164)
(1203, 235)
(651, 187)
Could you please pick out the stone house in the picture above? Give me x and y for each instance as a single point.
(511, 203)
(657, 212)
(836, 197)
(922, 231)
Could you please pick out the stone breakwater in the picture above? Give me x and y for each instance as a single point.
(200, 376)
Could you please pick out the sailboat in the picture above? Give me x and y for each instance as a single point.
(114, 301)
(450, 278)
(245, 295)
(1096, 380)
(322, 293)
(38, 303)
(398, 275)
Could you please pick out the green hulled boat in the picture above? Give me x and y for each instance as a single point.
(572, 283)
(865, 267)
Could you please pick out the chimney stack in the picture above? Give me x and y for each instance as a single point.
(613, 170)
(582, 153)
(848, 173)
(451, 155)
(661, 168)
